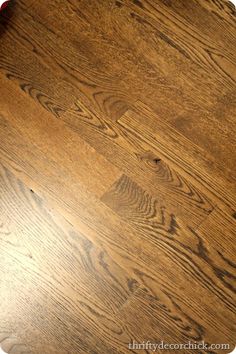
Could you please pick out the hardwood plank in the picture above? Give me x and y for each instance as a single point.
(223, 9)
(52, 145)
(105, 45)
(189, 118)
(51, 134)
(138, 159)
(163, 319)
(156, 224)
(23, 63)
(76, 286)
(74, 75)
(163, 40)
(152, 220)
(214, 179)
(220, 229)
(156, 270)
(109, 90)
(204, 121)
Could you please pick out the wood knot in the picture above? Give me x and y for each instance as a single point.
(156, 160)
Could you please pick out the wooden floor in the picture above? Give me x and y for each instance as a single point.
(117, 175)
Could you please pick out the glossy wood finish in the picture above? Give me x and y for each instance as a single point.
(117, 175)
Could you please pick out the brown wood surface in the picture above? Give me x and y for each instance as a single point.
(117, 175)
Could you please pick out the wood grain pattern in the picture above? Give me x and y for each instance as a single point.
(117, 175)
(58, 272)
(172, 146)
(138, 160)
(142, 211)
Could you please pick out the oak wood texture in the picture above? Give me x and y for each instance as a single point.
(117, 175)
